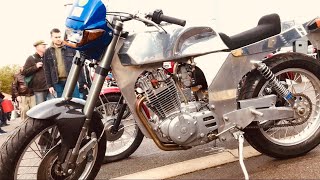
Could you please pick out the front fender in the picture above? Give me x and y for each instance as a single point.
(54, 108)
(67, 115)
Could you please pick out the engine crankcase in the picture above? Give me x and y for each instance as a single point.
(190, 129)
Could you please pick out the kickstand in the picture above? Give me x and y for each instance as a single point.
(239, 136)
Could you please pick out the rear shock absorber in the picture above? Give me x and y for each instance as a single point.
(274, 82)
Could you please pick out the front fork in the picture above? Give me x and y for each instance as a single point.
(116, 124)
(69, 157)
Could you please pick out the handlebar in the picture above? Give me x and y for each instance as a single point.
(173, 20)
(157, 16)
(153, 18)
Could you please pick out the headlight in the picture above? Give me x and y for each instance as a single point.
(74, 36)
(77, 38)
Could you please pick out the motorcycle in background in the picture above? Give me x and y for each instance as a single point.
(249, 97)
(124, 142)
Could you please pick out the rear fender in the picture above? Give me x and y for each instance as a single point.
(110, 90)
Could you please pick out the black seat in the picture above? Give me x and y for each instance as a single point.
(268, 26)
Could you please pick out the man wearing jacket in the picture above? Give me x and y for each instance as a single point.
(23, 94)
(34, 67)
(57, 62)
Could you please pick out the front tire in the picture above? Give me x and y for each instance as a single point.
(285, 67)
(21, 153)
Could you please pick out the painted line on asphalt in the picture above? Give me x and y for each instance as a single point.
(184, 167)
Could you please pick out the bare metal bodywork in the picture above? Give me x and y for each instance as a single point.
(186, 43)
(314, 37)
(175, 44)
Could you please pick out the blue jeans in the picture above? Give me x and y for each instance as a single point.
(42, 96)
(58, 87)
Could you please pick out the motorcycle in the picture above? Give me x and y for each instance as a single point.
(250, 96)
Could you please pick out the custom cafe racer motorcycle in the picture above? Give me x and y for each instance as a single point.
(272, 102)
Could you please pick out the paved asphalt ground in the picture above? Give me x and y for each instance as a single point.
(263, 167)
(10, 128)
(259, 167)
(148, 156)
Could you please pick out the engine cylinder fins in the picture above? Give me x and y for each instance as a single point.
(155, 138)
(165, 100)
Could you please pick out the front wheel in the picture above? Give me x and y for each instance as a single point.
(287, 138)
(33, 145)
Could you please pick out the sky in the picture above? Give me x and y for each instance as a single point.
(24, 22)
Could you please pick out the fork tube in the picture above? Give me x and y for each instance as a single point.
(73, 77)
(100, 75)
(101, 72)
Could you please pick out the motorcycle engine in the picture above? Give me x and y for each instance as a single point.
(179, 117)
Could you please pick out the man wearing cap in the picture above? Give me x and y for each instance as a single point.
(34, 67)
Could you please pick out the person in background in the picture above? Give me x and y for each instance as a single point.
(23, 94)
(34, 67)
(58, 60)
(1, 113)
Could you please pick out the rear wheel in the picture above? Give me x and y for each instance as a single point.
(128, 138)
(300, 74)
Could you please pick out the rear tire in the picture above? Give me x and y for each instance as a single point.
(253, 85)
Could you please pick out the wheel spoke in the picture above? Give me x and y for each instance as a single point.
(131, 134)
(277, 129)
(293, 89)
(294, 129)
(298, 77)
(306, 88)
(36, 153)
(285, 134)
(315, 106)
(308, 91)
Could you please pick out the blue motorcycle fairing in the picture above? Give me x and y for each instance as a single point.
(91, 15)
(86, 15)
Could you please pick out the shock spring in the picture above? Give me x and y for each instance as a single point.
(274, 82)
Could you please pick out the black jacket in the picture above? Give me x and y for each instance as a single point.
(38, 82)
(51, 68)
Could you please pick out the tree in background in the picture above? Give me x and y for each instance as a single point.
(6, 77)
